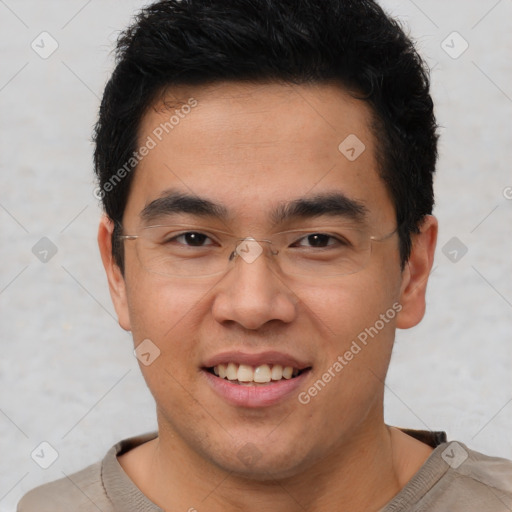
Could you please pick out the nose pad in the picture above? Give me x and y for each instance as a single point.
(250, 249)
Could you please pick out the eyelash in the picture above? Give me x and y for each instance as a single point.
(337, 239)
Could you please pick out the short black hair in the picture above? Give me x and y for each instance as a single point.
(349, 42)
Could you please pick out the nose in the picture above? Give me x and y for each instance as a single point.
(253, 292)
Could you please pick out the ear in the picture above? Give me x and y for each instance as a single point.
(116, 282)
(416, 273)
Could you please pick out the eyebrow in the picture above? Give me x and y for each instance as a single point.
(335, 204)
(175, 202)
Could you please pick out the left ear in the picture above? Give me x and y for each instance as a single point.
(416, 273)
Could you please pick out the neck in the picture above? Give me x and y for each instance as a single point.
(361, 475)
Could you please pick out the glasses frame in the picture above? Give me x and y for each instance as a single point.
(234, 254)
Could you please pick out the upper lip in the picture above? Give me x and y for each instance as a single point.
(256, 359)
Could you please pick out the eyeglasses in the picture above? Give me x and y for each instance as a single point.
(190, 251)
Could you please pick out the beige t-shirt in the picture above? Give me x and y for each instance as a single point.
(453, 479)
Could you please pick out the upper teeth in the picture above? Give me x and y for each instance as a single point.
(263, 373)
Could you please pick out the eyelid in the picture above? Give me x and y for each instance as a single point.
(335, 232)
(337, 239)
(174, 234)
(324, 228)
(184, 228)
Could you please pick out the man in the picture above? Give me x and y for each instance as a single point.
(266, 173)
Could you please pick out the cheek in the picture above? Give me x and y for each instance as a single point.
(344, 307)
(165, 312)
(169, 315)
(355, 323)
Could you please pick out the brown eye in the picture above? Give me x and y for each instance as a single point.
(192, 239)
(318, 240)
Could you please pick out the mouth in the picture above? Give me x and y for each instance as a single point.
(255, 380)
(261, 375)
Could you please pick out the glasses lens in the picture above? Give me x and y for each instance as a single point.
(182, 251)
(188, 251)
(324, 253)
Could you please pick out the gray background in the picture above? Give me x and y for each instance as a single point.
(67, 372)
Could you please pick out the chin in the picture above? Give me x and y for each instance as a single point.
(261, 464)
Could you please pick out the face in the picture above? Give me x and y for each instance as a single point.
(254, 150)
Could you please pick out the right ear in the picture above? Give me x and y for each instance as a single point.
(116, 282)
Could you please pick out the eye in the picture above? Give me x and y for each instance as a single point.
(191, 239)
(319, 240)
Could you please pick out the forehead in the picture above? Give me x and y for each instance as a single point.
(252, 147)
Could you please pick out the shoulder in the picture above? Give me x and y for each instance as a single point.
(81, 492)
(94, 488)
(474, 481)
(494, 472)
(457, 479)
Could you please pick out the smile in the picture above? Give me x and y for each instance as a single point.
(244, 374)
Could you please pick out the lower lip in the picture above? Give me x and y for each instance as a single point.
(258, 395)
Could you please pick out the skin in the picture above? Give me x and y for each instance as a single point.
(250, 147)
